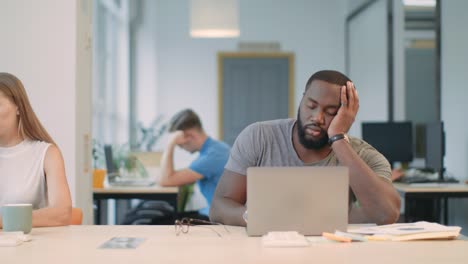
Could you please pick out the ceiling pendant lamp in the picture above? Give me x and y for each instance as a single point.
(214, 18)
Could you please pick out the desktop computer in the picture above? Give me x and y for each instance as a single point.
(435, 150)
(435, 147)
(393, 139)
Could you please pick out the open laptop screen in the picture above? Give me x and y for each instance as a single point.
(109, 159)
(309, 200)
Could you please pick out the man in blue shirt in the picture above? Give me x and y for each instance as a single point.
(187, 132)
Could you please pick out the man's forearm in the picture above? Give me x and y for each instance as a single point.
(226, 211)
(167, 164)
(379, 201)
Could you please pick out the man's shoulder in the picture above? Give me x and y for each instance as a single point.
(277, 122)
(261, 134)
(274, 125)
(363, 148)
(358, 144)
(219, 144)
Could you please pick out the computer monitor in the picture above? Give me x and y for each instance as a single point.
(393, 139)
(435, 147)
(109, 159)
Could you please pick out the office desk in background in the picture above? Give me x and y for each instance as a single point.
(438, 192)
(79, 244)
(155, 192)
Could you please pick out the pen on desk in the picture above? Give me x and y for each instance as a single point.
(335, 237)
(354, 237)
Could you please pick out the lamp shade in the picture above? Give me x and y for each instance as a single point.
(214, 18)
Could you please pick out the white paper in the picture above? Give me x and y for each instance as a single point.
(405, 229)
(122, 243)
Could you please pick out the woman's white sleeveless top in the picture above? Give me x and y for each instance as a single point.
(22, 178)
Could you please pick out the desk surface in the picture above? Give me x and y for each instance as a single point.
(78, 244)
(432, 187)
(153, 173)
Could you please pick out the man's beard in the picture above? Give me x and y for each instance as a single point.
(310, 143)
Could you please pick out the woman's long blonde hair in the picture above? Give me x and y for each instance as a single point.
(29, 125)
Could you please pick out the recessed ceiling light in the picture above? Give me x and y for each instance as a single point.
(427, 3)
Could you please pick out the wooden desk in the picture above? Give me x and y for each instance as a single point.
(79, 244)
(154, 192)
(441, 192)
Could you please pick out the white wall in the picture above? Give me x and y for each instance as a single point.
(369, 43)
(187, 68)
(45, 63)
(38, 45)
(368, 63)
(145, 61)
(454, 93)
(82, 187)
(353, 5)
(399, 90)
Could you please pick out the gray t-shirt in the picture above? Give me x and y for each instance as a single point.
(269, 143)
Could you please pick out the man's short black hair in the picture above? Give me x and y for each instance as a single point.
(185, 119)
(329, 76)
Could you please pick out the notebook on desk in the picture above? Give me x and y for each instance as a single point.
(309, 200)
(114, 177)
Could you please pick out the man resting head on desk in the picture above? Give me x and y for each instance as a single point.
(316, 138)
(187, 132)
(32, 169)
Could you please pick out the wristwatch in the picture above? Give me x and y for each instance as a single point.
(338, 137)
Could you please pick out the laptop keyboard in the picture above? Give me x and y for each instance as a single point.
(130, 183)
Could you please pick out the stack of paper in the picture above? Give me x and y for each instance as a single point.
(409, 231)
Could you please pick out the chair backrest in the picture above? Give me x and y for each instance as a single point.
(184, 195)
(77, 216)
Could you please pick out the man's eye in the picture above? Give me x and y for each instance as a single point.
(332, 113)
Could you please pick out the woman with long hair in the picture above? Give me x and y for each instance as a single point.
(32, 169)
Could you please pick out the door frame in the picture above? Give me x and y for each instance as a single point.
(247, 55)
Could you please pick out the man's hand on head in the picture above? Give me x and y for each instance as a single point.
(177, 137)
(347, 113)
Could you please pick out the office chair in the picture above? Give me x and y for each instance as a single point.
(150, 213)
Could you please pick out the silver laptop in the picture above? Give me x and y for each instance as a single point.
(115, 179)
(309, 200)
(131, 183)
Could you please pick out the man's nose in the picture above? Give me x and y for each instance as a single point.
(318, 116)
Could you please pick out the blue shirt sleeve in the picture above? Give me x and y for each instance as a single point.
(211, 164)
(203, 165)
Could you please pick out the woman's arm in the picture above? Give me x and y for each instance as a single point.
(58, 212)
